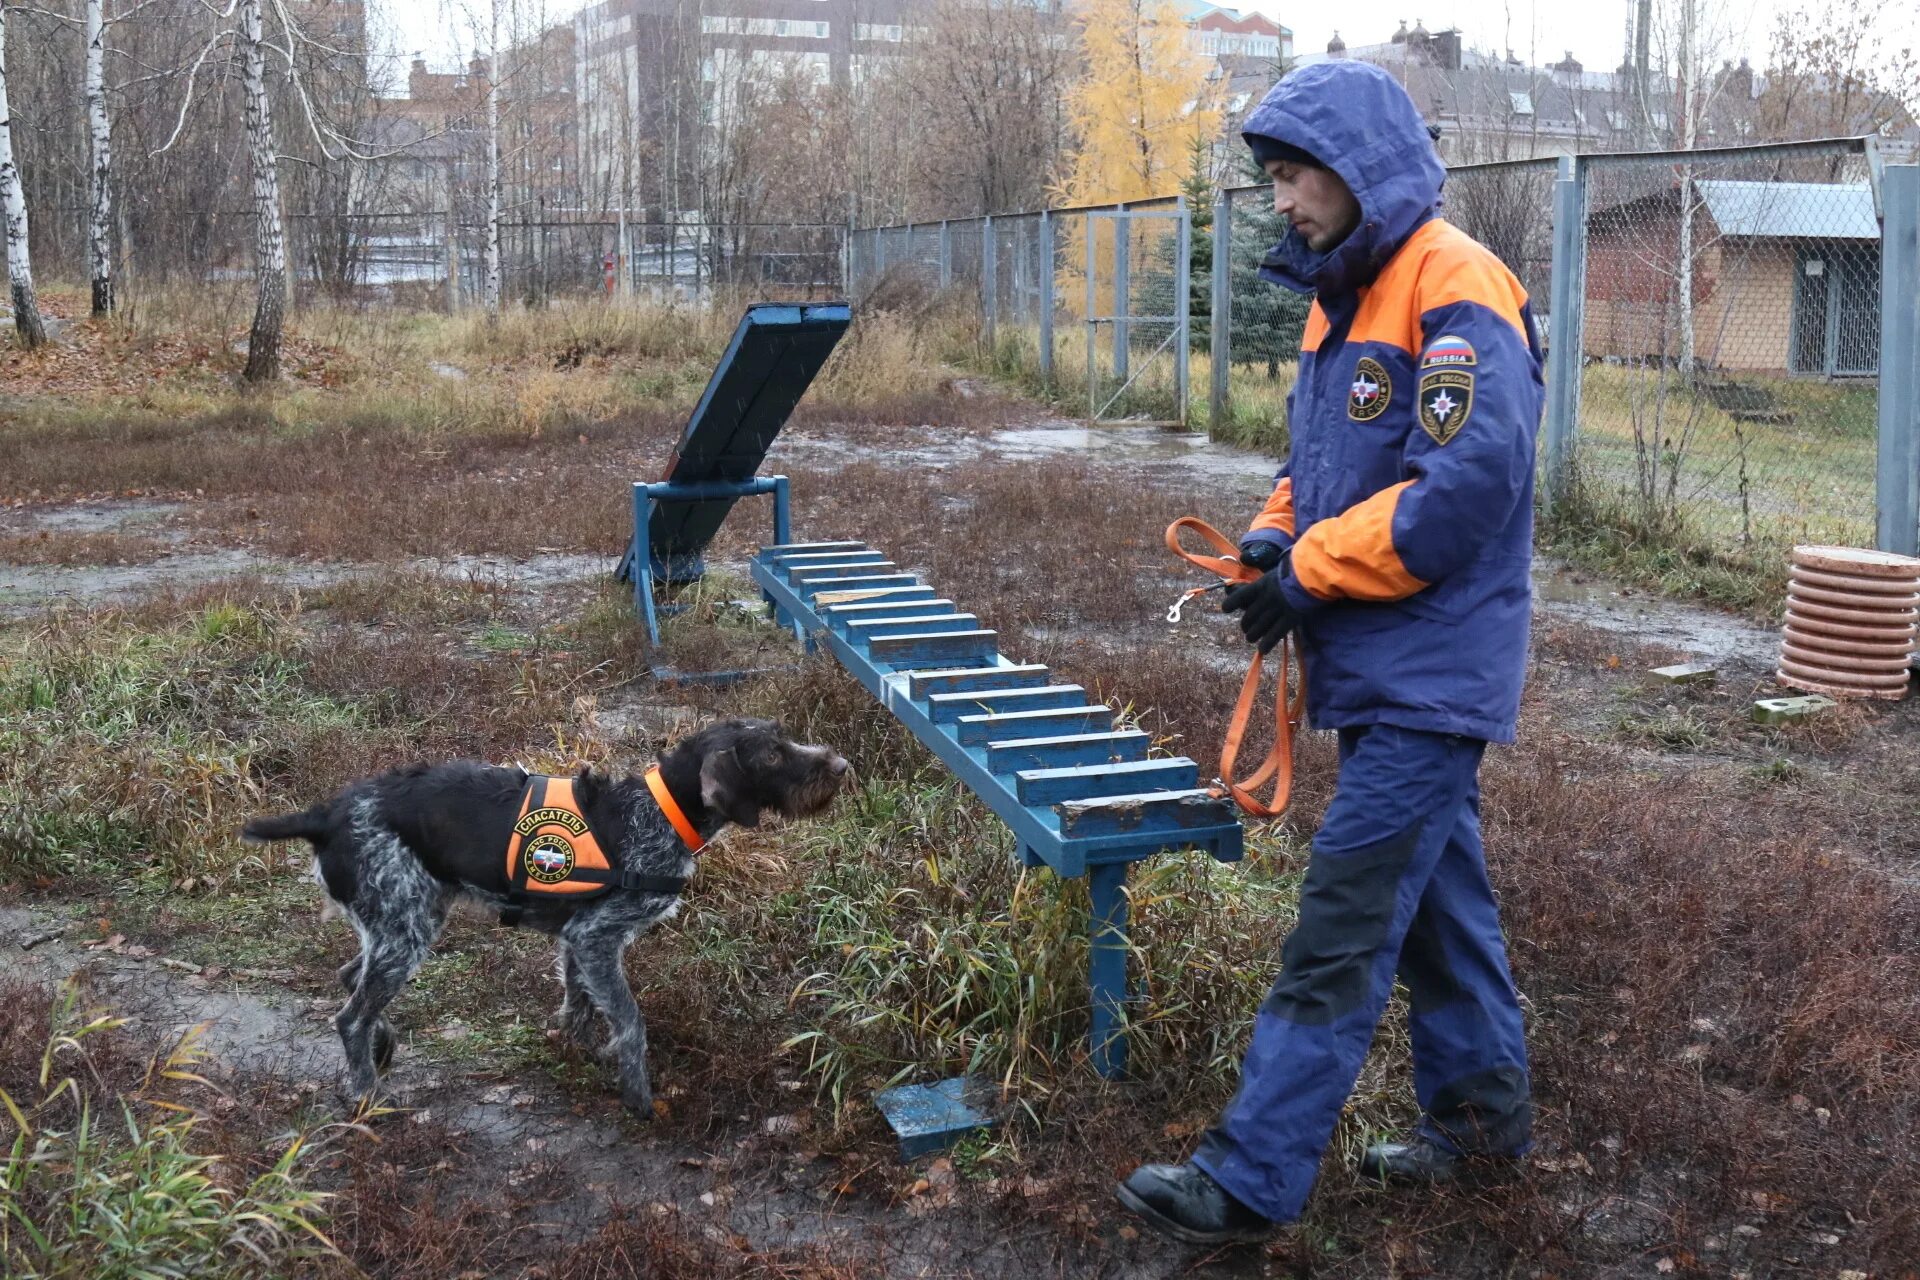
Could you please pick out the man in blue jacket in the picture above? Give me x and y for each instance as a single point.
(1396, 548)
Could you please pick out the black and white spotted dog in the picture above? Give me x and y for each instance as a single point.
(397, 851)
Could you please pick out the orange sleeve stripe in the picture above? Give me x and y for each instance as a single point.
(1351, 556)
(1278, 513)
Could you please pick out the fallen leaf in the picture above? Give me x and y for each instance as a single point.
(1129, 1233)
(1663, 1266)
(920, 1187)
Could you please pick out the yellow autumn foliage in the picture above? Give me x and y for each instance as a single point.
(1142, 101)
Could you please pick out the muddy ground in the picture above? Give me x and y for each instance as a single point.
(776, 1188)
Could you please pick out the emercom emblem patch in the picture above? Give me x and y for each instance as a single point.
(1371, 390)
(1445, 397)
(549, 859)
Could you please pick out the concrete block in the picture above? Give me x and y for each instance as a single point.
(1687, 673)
(1790, 710)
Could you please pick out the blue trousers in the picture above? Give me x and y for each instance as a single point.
(1397, 883)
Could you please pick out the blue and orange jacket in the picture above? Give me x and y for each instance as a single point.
(1407, 497)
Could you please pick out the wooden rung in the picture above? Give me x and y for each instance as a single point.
(817, 559)
(1062, 752)
(1129, 777)
(890, 607)
(813, 589)
(784, 550)
(867, 628)
(944, 708)
(951, 646)
(1020, 676)
(831, 600)
(824, 572)
(1169, 811)
(975, 731)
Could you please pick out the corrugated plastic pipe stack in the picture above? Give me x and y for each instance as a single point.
(1850, 622)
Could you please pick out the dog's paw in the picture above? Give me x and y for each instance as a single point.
(383, 1045)
(638, 1100)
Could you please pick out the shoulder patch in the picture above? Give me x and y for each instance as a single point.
(1371, 390)
(1445, 398)
(1448, 351)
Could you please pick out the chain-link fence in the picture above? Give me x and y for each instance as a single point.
(427, 259)
(1093, 303)
(1718, 363)
(1730, 341)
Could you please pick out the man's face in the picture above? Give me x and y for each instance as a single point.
(1315, 201)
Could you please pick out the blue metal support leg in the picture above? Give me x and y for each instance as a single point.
(1107, 884)
(639, 564)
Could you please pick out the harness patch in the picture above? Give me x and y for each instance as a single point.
(549, 859)
(1446, 399)
(1372, 389)
(1450, 351)
(552, 849)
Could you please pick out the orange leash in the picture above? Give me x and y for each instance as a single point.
(1287, 711)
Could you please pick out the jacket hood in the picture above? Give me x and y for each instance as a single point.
(1357, 120)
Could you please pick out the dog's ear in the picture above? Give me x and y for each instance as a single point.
(724, 789)
(586, 786)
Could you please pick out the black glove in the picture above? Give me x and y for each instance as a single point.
(1262, 555)
(1267, 616)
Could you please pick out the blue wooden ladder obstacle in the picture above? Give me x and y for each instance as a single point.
(1080, 795)
(773, 357)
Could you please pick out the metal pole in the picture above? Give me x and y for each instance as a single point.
(453, 258)
(1121, 246)
(946, 256)
(1567, 300)
(1046, 299)
(1897, 470)
(1221, 321)
(1093, 325)
(1183, 308)
(989, 278)
(1107, 885)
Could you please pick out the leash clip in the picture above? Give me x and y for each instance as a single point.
(1173, 612)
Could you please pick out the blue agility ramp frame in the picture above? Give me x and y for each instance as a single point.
(774, 355)
(1080, 796)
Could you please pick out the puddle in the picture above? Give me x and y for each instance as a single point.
(1124, 445)
(91, 517)
(547, 567)
(1648, 620)
(26, 588)
(452, 372)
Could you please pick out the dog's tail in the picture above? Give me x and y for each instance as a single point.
(311, 825)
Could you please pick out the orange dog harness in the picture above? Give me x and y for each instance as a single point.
(553, 851)
(1287, 710)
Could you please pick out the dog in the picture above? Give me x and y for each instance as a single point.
(396, 851)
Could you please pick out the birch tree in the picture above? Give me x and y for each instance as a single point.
(490, 289)
(27, 324)
(99, 161)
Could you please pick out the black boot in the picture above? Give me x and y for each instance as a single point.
(1424, 1162)
(1182, 1201)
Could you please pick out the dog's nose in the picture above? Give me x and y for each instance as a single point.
(838, 765)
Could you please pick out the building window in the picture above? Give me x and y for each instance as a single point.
(877, 31)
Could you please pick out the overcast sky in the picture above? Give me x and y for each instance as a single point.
(1537, 32)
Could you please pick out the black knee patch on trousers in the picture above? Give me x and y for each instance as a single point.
(1488, 1111)
(1346, 908)
(1425, 969)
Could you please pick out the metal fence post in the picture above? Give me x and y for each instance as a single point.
(1182, 309)
(1566, 301)
(1046, 299)
(1220, 322)
(1121, 244)
(453, 261)
(1897, 469)
(946, 256)
(989, 277)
